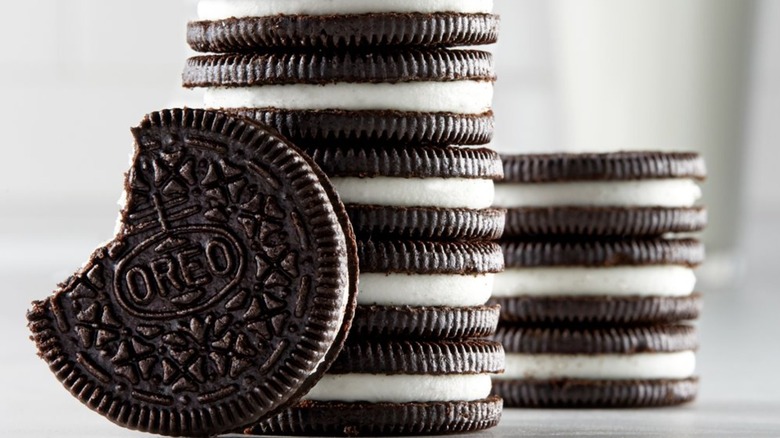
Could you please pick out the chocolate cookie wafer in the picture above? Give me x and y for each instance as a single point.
(420, 193)
(427, 290)
(374, 127)
(607, 281)
(440, 97)
(226, 293)
(598, 367)
(240, 26)
(640, 194)
(424, 322)
(399, 388)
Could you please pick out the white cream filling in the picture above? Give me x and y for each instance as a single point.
(220, 9)
(425, 290)
(649, 193)
(460, 97)
(676, 365)
(401, 388)
(651, 280)
(416, 192)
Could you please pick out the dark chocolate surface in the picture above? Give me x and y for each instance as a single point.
(389, 66)
(602, 253)
(431, 323)
(382, 419)
(421, 257)
(374, 128)
(599, 309)
(611, 166)
(349, 31)
(407, 162)
(232, 277)
(388, 356)
(597, 340)
(597, 222)
(583, 394)
(425, 223)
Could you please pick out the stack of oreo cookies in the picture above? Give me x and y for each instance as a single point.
(599, 280)
(377, 93)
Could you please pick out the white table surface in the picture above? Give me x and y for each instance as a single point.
(738, 361)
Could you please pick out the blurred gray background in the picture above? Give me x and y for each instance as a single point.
(574, 75)
(599, 74)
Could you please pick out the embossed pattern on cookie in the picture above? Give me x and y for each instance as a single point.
(200, 316)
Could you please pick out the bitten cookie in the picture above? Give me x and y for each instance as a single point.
(598, 367)
(640, 194)
(226, 293)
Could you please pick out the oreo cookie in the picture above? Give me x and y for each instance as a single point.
(396, 357)
(603, 253)
(574, 341)
(229, 27)
(420, 257)
(426, 97)
(599, 282)
(313, 418)
(407, 387)
(426, 223)
(323, 68)
(225, 295)
(596, 222)
(246, 34)
(620, 194)
(424, 290)
(374, 127)
(421, 193)
(598, 309)
(424, 322)
(610, 166)
(598, 367)
(584, 393)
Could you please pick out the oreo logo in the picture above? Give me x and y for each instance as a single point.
(179, 272)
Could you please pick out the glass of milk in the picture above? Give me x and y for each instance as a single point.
(661, 74)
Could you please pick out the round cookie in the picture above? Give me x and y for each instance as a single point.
(233, 250)
(248, 34)
(397, 357)
(424, 322)
(609, 281)
(426, 223)
(439, 97)
(373, 127)
(420, 193)
(595, 222)
(323, 68)
(639, 194)
(425, 258)
(593, 340)
(426, 290)
(609, 166)
(603, 253)
(598, 367)
(582, 393)
(599, 309)
(312, 418)
(407, 387)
